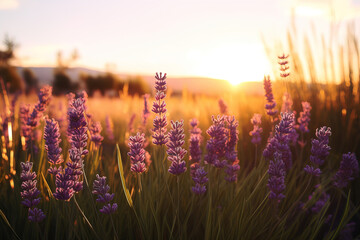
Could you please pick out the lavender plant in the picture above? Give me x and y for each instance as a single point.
(137, 153)
(52, 141)
(159, 108)
(175, 151)
(101, 189)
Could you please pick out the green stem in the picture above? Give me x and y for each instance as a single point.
(113, 225)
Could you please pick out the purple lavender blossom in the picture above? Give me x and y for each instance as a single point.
(137, 153)
(30, 193)
(281, 140)
(223, 107)
(319, 150)
(68, 182)
(64, 185)
(304, 118)
(194, 148)
(349, 169)
(101, 189)
(52, 140)
(276, 182)
(146, 111)
(26, 130)
(44, 100)
(159, 107)
(256, 132)
(216, 145)
(109, 128)
(320, 203)
(232, 165)
(95, 130)
(200, 180)
(271, 104)
(175, 151)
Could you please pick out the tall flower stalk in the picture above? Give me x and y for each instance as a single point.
(232, 165)
(52, 141)
(175, 151)
(30, 193)
(349, 169)
(159, 108)
(270, 106)
(319, 151)
(137, 153)
(256, 132)
(303, 122)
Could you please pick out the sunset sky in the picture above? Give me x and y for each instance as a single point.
(218, 39)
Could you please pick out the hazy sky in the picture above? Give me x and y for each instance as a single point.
(219, 39)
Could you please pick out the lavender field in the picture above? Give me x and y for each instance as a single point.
(279, 166)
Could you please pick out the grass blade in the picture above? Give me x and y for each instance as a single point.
(7, 222)
(47, 186)
(121, 172)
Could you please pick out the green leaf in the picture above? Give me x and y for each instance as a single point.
(121, 172)
(47, 186)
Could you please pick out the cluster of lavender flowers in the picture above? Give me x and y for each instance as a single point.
(197, 172)
(271, 104)
(95, 130)
(319, 151)
(31, 120)
(320, 203)
(257, 130)
(232, 165)
(44, 100)
(159, 107)
(175, 151)
(216, 145)
(221, 147)
(68, 182)
(30, 193)
(223, 107)
(280, 141)
(349, 169)
(52, 141)
(137, 153)
(101, 189)
(276, 182)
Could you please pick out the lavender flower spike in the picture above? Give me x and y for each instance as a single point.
(52, 140)
(159, 107)
(256, 132)
(232, 166)
(137, 153)
(95, 130)
(304, 118)
(101, 189)
(271, 104)
(30, 193)
(349, 169)
(216, 145)
(44, 100)
(146, 111)
(175, 151)
(200, 180)
(194, 148)
(276, 182)
(319, 151)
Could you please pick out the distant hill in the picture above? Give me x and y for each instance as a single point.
(192, 84)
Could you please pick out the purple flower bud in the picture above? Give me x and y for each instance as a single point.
(271, 104)
(95, 130)
(195, 141)
(276, 182)
(30, 193)
(256, 132)
(101, 189)
(348, 171)
(200, 180)
(44, 100)
(146, 111)
(175, 151)
(137, 153)
(52, 140)
(232, 165)
(159, 107)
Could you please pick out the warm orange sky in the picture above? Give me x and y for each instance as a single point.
(218, 39)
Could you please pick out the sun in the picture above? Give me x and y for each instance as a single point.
(234, 63)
